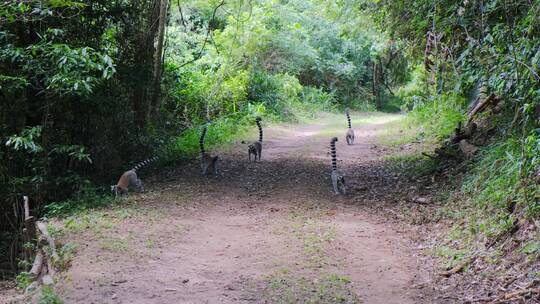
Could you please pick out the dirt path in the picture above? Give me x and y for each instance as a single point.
(269, 232)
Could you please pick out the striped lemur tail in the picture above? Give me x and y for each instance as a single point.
(258, 121)
(338, 181)
(333, 153)
(145, 163)
(255, 148)
(348, 118)
(201, 139)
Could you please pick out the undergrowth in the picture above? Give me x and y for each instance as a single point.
(437, 117)
(48, 296)
(498, 191)
(497, 194)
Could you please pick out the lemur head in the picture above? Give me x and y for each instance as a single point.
(114, 190)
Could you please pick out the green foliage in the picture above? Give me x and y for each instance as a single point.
(61, 68)
(532, 248)
(23, 280)
(278, 42)
(74, 103)
(84, 199)
(488, 44)
(503, 50)
(48, 296)
(437, 116)
(222, 131)
(278, 93)
(451, 255)
(497, 193)
(415, 90)
(26, 141)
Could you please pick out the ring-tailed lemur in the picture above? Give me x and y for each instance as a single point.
(130, 179)
(350, 133)
(207, 161)
(338, 181)
(255, 148)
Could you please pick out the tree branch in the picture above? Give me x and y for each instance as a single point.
(199, 55)
(181, 15)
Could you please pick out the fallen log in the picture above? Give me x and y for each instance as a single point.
(47, 280)
(50, 265)
(49, 239)
(491, 100)
(37, 265)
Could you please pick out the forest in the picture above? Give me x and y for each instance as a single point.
(445, 102)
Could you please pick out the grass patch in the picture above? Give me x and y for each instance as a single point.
(450, 255)
(412, 165)
(94, 221)
(336, 123)
(282, 287)
(314, 237)
(397, 132)
(115, 244)
(305, 283)
(497, 192)
(87, 198)
(532, 248)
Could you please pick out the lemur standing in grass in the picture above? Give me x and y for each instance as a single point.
(130, 179)
(350, 132)
(255, 148)
(338, 181)
(207, 161)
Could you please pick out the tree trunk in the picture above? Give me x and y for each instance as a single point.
(376, 90)
(142, 94)
(156, 86)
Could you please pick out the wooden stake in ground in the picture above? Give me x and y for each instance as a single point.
(29, 231)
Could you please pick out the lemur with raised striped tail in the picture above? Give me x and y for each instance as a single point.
(338, 181)
(255, 148)
(207, 161)
(130, 179)
(350, 132)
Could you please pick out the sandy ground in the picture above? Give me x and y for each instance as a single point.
(268, 232)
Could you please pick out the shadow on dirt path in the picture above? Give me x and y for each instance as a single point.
(268, 232)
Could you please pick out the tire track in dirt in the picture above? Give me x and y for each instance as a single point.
(261, 233)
